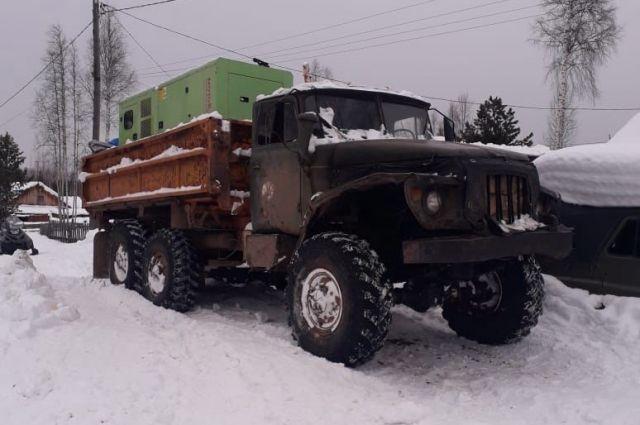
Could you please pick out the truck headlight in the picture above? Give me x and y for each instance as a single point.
(432, 202)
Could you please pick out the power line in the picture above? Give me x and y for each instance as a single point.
(19, 114)
(351, 21)
(413, 21)
(142, 47)
(35, 77)
(217, 46)
(226, 49)
(538, 108)
(403, 40)
(140, 6)
(459, 21)
(176, 62)
(393, 42)
(347, 35)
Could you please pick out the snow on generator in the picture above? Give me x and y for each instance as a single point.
(338, 194)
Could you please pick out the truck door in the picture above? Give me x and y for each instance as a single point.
(621, 259)
(275, 168)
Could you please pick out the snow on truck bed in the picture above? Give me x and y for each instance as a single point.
(601, 175)
(79, 351)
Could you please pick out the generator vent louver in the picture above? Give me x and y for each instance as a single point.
(145, 128)
(145, 107)
(507, 197)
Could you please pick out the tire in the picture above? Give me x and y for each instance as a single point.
(171, 271)
(351, 327)
(516, 313)
(126, 244)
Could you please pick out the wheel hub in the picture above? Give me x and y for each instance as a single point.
(156, 274)
(482, 294)
(321, 300)
(121, 263)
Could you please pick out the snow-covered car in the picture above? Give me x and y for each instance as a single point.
(597, 192)
(13, 237)
(606, 254)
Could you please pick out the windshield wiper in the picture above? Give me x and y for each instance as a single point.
(333, 127)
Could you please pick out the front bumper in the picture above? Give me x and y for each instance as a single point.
(474, 249)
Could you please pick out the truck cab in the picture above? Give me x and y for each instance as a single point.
(358, 173)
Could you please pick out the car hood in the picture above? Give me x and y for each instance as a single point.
(368, 152)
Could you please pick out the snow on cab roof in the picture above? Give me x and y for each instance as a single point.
(599, 175)
(340, 86)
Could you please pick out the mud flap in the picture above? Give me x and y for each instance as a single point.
(101, 255)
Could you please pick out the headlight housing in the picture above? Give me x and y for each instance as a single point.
(436, 202)
(432, 202)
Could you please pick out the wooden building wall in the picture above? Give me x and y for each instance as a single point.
(37, 196)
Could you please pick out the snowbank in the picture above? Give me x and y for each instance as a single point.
(232, 361)
(600, 175)
(27, 301)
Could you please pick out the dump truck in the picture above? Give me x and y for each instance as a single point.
(339, 196)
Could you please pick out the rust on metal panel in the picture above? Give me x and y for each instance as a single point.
(269, 250)
(203, 176)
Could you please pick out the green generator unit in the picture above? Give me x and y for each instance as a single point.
(227, 86)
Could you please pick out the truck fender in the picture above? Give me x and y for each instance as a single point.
(320, 201)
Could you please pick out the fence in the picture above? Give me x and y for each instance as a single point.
(65, 232)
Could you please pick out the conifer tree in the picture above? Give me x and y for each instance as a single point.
(11, 174)
(495, 123)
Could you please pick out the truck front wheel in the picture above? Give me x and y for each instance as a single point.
(339, 298)
(500, 305)
(170, 271)
(126, 242)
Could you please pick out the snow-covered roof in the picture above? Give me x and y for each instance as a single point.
(32, 184)
(534, 150)
(340, 86)
(45, 209)
(601, 175)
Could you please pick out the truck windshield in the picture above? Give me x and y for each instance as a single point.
(358, 117)
(349, 113)
(406, 121)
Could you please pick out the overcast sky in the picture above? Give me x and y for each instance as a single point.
(498, 60)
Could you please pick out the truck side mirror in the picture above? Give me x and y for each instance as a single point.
(449, 130)
(306, 123)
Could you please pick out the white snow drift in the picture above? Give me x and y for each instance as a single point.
(107, 356)
(601, 175)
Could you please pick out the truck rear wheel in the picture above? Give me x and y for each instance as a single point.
(499, 306)
(339, 298)
(126, 243)
(171, 270)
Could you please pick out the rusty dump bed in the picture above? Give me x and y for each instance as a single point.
(202, 167)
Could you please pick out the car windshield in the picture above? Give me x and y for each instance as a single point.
(359, 117)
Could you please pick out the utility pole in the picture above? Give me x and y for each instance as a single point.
(96, 70)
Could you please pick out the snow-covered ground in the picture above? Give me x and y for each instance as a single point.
(79, 351)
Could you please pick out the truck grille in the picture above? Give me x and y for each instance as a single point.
(507, 197)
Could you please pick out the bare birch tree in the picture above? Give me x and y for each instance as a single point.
(58, 116)
(51, 108)
(117, 76)
(579, 36)
(460, 112)
(319, 72)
